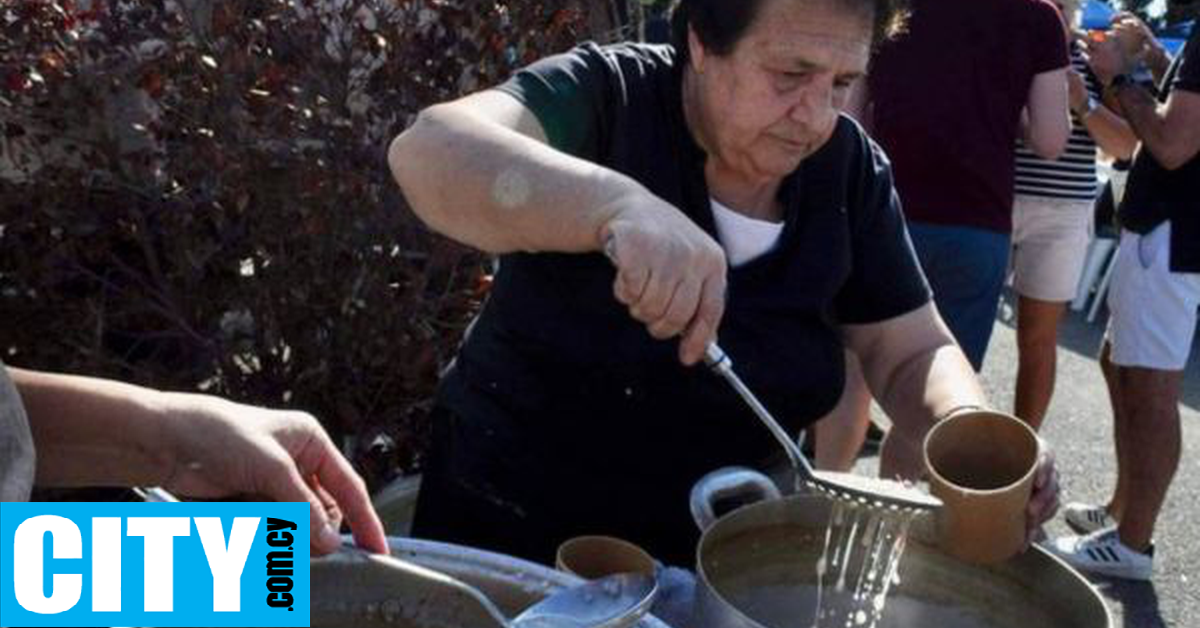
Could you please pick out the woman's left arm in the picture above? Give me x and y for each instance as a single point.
(919, 375)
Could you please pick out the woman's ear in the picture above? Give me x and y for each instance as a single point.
(695, 51)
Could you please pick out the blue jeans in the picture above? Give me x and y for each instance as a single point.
(966, 269)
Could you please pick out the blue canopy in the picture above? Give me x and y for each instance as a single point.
(1096, 15)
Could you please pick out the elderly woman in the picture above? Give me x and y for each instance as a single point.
(729, 195)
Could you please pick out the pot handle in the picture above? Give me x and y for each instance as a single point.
(728, 488)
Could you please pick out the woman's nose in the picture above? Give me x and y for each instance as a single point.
(815, 102)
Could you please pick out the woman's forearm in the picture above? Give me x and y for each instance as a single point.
(922, 390)
(480, 172)
(94, 432)
(1110, 131)
(918, 374)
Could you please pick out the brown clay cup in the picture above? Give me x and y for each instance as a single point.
(981, 464)
(591, 557)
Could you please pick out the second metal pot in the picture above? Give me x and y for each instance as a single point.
(756, 568)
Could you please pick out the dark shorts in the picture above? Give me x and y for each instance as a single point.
(966, 268)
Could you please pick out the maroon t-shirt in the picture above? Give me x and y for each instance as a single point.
(947, 102)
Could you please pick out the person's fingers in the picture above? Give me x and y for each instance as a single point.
(283, 482)
(632, 273)
(333, 512)
(702, 330)
(631, 283)
(680, 310)
(652, 305)
(1044, 502)
(349, 492)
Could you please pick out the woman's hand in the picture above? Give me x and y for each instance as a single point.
(1134, 35)
(1107, 58)
(670, 273)
(219, 448)
(1043, 504)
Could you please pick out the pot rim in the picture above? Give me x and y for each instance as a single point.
(917, 537)
(962, 416)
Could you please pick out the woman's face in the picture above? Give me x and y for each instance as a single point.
(774, 99)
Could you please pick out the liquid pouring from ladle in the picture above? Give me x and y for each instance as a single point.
(872, 492)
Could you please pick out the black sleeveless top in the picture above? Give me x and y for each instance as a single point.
(557, 386)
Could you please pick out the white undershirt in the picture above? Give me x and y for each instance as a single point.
(744, 238)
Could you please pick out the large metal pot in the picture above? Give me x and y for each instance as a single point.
(756, 568)
(345, 594)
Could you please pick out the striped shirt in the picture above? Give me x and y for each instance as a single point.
(1073, 175)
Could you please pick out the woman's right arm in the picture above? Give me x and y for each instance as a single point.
(479, 170)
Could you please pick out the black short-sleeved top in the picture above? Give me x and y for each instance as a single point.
(1153, 194)
(564, 388)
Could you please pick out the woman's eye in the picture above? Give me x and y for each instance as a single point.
(786, 81)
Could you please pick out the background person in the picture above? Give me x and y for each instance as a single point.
(946, 102)
(716, 166)
(1152, 300)
(62, 430)
(1052, 226)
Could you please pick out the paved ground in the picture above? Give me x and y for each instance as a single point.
(1080, 427)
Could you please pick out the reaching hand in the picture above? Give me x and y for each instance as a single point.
(670, 273)
(1044, 502)
(221, 448)
(1133, 34)
(1107, 58)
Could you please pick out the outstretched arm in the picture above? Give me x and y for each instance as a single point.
(1170, 131)
(919, 375)
(90, 431)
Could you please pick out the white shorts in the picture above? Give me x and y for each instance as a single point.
(1153, 310)
(1049, 246)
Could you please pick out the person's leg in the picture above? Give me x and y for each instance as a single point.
(1037, 355)
(840, 433)
(1116, 503)
(1150, 334)
(1153, 442)
(966, 269)
(1050, 242)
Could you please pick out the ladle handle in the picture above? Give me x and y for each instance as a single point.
(719, 362)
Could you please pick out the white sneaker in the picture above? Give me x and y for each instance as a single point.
(1086, 518)
(1104, 554)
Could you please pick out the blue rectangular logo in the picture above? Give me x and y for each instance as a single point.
(154, 564)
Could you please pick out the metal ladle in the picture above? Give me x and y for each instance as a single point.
(873, 492)
(418, 597)
(413, 596)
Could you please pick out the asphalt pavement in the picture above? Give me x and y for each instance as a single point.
(1079, 426)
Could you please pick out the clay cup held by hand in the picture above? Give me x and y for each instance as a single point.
(981, 464)
(592, 557)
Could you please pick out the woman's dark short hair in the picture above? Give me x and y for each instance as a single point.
(721, 23)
